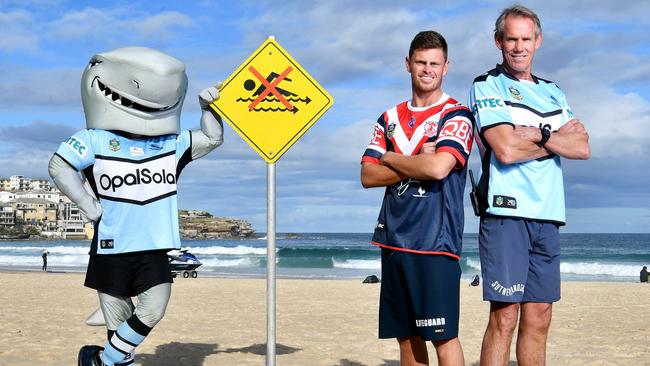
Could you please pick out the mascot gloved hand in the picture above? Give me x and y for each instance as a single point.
(211, 133)
(131, 154)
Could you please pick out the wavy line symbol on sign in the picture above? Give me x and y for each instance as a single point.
(268, 91)
(305, 100)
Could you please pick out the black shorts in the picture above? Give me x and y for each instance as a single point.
(420, 296)
(128, 274)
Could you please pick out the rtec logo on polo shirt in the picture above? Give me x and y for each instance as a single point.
(77, 145)
(488, 103)
(136, 181)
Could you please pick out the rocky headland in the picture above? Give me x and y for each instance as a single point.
(201, 225)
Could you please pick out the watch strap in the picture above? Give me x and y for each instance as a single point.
(546, 134)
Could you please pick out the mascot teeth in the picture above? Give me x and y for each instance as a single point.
(124, 101)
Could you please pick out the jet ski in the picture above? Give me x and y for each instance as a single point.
(183, 263)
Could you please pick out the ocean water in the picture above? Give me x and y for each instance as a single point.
(585, 257)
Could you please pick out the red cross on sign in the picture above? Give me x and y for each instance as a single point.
(270, 88)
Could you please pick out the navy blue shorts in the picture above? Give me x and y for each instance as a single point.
(520, 260)
(128, 274)
(420, 296)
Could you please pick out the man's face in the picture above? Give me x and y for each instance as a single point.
(518, 45)
(427, 67)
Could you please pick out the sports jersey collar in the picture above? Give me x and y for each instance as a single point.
(442, 100)
(502, 70)
(134, 137)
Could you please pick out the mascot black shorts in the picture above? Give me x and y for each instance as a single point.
(128, 274)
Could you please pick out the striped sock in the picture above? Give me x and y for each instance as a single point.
(127, 336)
(129, 360)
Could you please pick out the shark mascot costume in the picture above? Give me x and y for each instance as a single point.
(131, 154)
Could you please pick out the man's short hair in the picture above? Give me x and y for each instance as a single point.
(427, 40)
(517, 11)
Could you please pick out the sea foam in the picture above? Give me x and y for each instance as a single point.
(221, 250)
(357, 263)
(596, 268)
(239, 262)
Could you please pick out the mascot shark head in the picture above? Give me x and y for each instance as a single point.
(137, 90)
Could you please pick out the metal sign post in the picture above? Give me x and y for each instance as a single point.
(270, 86)
(270, 265)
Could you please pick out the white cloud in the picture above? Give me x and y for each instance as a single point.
(36, 134)
(340, 41)
(344, 144)
(18, 31)
(82, 24)
(34, 87)
(585, 12)
(26, 161)
(161, 25)
(610, 116)
(117, 25)
(33, 3)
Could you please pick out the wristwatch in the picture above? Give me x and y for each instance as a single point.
(546, 134)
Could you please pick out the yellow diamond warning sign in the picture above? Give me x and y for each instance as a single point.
(270, 100)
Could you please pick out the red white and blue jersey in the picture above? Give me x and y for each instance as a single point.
(423, 216)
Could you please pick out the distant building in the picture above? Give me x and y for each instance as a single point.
(40, 184)
(6, 216)
(26, 201)
(19, 183)
(7, 196)
(71, 223)
(34, 211)
(53, 196)
(5, 183)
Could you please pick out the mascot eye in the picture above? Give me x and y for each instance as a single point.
(94, 63)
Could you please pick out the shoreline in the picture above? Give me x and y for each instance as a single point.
(222, 321)
(261, 273)
(585, 258)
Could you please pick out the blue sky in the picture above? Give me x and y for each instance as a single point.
(597, 51)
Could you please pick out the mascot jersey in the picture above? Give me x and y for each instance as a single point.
(135, 181)
(424, 217)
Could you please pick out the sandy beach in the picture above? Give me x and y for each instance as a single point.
(222, 321)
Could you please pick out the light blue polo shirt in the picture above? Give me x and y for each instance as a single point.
(532, 189)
